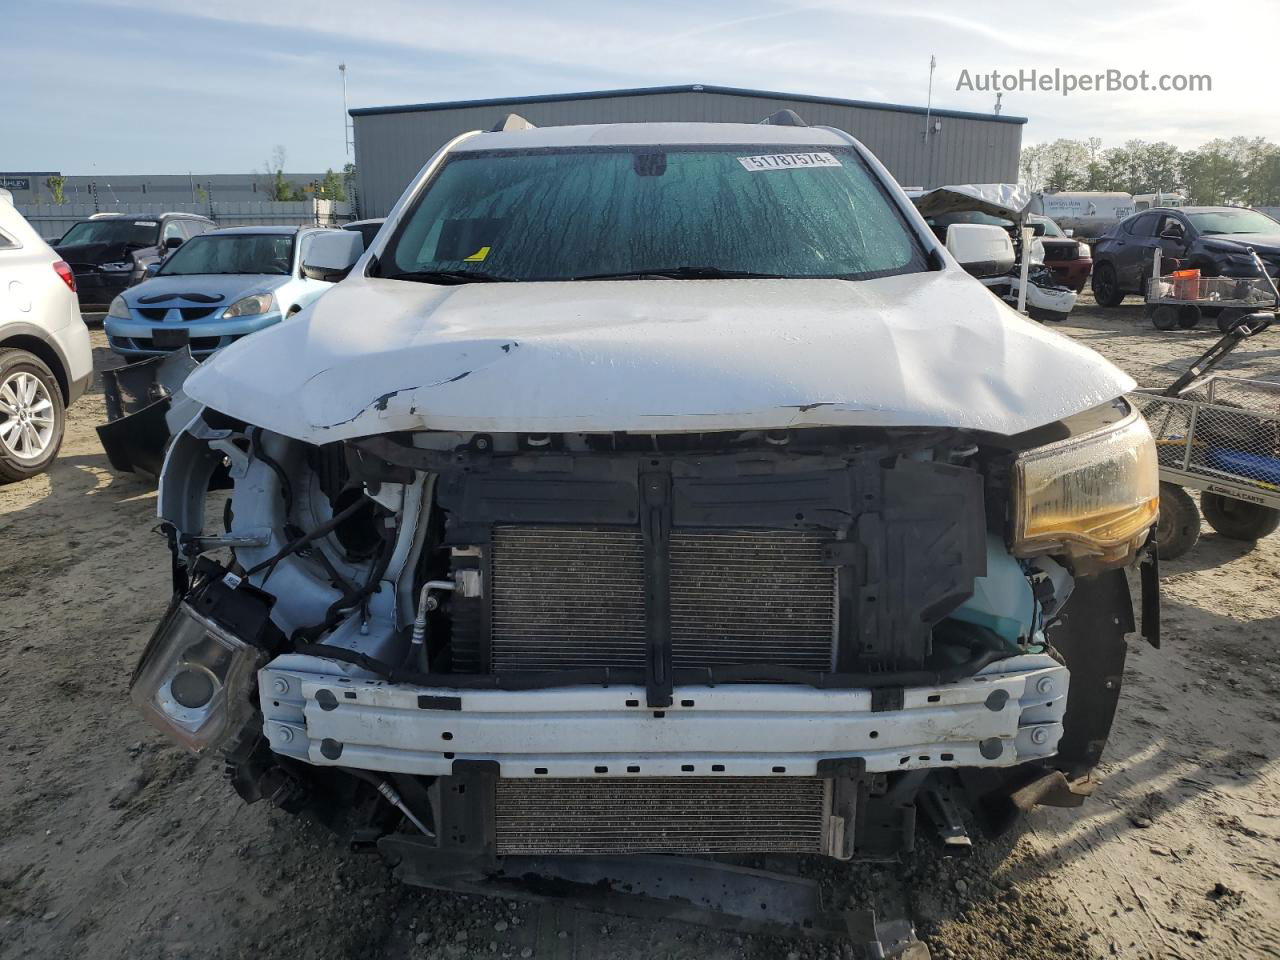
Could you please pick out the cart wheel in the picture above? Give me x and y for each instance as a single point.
(1178, 527)
(1229, 318)
(1164, 316)
(1188, 316)
(1106, 288)
(1238, 519)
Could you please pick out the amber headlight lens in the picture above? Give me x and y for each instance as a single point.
(1091, 496)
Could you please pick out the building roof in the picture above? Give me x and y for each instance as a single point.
(682, 88)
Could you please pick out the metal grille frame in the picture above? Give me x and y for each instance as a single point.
(1222, 436)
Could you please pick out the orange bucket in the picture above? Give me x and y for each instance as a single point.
(1186, 284)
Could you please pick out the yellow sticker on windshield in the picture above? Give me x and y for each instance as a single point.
(477, 256)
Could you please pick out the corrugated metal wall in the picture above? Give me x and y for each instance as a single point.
(392, 147)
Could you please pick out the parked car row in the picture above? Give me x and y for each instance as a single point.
(171, 281)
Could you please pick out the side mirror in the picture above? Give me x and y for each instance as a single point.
(983, 250)
(1173, 235)
(173, 243)
(152, 269)
(1070, 232)
(1038, 229)
(332, 254)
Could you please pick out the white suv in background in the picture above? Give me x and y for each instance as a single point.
(45, 359)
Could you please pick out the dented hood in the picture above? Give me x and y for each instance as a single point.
(927, 349)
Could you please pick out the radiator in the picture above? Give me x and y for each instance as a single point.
(566, 597)
(751, 596)
(686, 815)
(573, 597)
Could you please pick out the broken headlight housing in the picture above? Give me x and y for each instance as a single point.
(197, 676)
(1090, 497)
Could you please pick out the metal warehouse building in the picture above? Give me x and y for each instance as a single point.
(392, 143)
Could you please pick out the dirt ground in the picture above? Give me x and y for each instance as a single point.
(115, 844)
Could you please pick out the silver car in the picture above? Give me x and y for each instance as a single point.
(213, 290)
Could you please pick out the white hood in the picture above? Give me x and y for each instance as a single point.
(925, 349)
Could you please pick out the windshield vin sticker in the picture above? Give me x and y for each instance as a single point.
(789, 161)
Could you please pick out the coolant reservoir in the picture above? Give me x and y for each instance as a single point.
(1002, 601)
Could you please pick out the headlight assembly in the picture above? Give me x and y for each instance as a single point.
(118, 309)
(1094, 496)
(194, 679)
(250, 306)
(197, 675)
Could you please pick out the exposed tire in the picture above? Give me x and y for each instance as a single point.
(1164, 316)
(1106, 286)
(1178, 528)
(1238, 519)
(32, 416)
(1188, 316)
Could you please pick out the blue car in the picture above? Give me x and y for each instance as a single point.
(213, 290)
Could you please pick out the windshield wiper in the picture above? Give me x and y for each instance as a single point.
(683, 273)
(449, 276)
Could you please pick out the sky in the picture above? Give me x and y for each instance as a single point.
(214, 86)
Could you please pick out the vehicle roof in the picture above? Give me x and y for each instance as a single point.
(360, 223)
(146, 216)
(654, 134)
(1203, 209)
(274, 228)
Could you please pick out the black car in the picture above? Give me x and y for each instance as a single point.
(111, 251)
(1215, 240)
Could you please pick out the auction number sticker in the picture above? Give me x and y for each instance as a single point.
(789, 161)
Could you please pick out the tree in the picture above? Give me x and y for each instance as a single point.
(55, 184)
(1264, 177)
(1218, 171)
(331, 187)
(279, 188)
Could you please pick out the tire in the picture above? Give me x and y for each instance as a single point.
(1178, 528)
(1105, 286)
(1164, 316)
(33, 417)
(1238, 519)
(1188, 316)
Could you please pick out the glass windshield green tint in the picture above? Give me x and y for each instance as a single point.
(572, 213)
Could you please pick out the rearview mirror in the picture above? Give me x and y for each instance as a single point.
(332, 254)
(983, 250)
(173, 243)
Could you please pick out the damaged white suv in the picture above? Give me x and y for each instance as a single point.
(652, 488)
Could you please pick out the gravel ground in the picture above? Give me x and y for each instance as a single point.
(113, 843)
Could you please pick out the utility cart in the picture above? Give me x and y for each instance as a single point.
(1219, 435)
(1180, 298)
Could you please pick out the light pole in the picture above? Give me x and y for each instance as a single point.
(346, 130)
